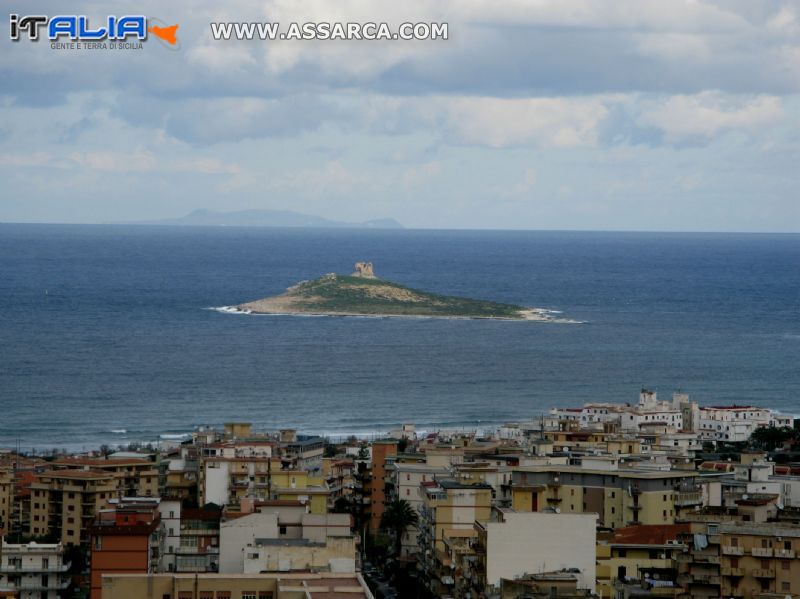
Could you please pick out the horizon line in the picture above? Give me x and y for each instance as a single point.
(401, 228)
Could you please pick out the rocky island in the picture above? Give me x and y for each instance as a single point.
(364, 294)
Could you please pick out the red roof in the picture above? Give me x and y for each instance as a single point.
(649, 534)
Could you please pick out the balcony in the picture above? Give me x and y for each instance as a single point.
(731, 550)
(704, 579)
(688, 498)
(761, 573)
(37, 585)
(11, 569)
(786, 553)
(762, 552)
(728, 571)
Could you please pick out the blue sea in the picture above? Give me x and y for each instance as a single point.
(106, 335)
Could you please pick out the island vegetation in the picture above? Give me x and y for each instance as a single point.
(362, 293)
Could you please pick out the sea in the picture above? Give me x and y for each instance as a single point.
(108, 333)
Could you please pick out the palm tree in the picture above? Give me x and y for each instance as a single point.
(397, 517)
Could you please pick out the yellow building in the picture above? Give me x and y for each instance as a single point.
(297, 485)
(136, 477)
(64, 502)
(757, 559)
(6, 498)
(618, 497)
(630, 551)
(448, 506)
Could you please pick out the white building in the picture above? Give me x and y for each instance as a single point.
(732, 423)
(235, 535)
(35, 571)
(530, 542)
(406, 479)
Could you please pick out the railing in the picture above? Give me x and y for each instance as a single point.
(688, 498)
(763, 573)
(11, 568)
(762, 551)
(728, 571)
(55, 585)
(731, 550)
(785, 553)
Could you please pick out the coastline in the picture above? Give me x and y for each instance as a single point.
(527, 315)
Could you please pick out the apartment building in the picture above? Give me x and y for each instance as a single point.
(338, 475)
(33, 570)
(699, 564)
(300, 486)
(403, 481)
(303, 453)
(136, 477)
(622, 497)
(179, 473)
(759, 558)
(448, 507)
(64, 503)
(6, 497)
(382, 451)
(198, 540)
(512, 544)
(284, 585)
(126, 538)
(636, 551)
(732, 423)
(226, 479)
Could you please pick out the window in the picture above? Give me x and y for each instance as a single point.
(734, 562)
(249, 595)
(282, 530)
(764, 543)
(787, 545)
(785, 587)
(223, 595)
(206, 595)
(784, 564)
(185, 595)
(765, 564)
(98, 543)
(734, 541)
(265, 595)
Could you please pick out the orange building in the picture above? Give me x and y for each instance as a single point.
(381, 451)
(126, 539)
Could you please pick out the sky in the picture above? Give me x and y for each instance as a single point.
(679, 115)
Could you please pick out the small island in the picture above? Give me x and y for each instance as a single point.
(364, 294)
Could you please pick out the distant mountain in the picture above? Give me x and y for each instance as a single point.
(265, 218)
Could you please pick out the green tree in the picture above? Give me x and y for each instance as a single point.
(398, 516)
(771, 437)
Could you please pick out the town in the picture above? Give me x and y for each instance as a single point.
(656, 497)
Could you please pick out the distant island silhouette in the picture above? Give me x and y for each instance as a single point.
(264, 218)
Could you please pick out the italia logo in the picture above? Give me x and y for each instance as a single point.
(77, 28)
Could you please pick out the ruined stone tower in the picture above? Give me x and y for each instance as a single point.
(364, 270)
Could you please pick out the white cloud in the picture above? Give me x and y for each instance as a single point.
(708, 114)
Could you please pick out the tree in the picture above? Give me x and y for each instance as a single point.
(398, 516)
(363, 451)
(771, 437)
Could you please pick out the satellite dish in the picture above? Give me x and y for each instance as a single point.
(745, 497)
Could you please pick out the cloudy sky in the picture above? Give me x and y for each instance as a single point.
(535, 114)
